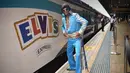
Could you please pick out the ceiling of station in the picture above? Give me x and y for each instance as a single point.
(116, 6)
(95, 4)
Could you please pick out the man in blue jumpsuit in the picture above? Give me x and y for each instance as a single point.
(73, 27)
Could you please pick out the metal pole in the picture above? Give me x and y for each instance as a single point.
(115, 40)
(125, 54)
(84, 55)
(115, 37)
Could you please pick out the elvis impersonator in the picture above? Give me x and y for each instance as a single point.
(73, 26)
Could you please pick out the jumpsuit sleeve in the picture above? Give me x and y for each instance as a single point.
(82, 21)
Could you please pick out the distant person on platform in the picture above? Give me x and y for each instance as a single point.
(103, 23)
(73, 26)
(112, 23)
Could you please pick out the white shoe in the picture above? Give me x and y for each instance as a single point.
(115, 53)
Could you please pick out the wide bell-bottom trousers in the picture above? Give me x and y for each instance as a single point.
(74, 63)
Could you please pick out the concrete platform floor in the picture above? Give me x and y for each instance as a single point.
(117, 61)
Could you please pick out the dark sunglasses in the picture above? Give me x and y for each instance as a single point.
(65, 9)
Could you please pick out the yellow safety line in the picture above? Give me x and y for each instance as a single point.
(93, 57)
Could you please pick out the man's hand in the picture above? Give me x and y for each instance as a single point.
(66, 35)
(77, 34)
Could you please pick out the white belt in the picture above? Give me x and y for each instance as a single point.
(73, 35)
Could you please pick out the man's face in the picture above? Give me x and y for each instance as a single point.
(66, 11)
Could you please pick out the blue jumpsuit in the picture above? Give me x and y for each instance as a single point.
(76, 24)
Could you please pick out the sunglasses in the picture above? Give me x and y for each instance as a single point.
(65, 9)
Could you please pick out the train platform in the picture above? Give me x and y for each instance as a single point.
(117, 61)
(98, 51)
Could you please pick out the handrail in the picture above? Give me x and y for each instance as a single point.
(126, 52)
